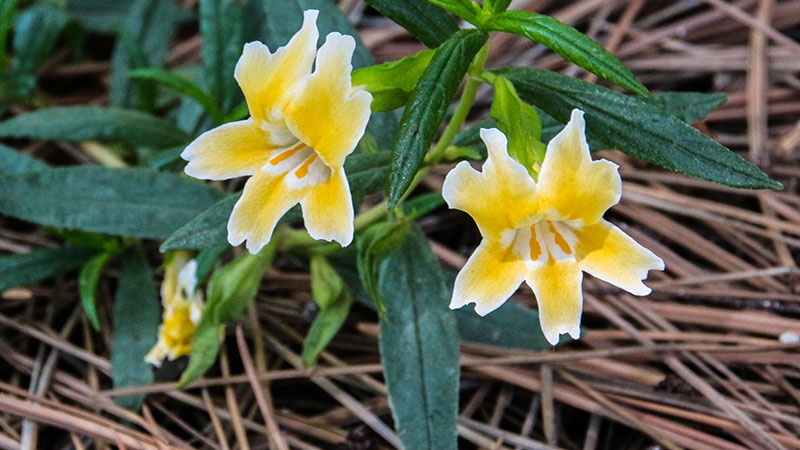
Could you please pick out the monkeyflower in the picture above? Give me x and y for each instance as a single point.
(546, 232)
(183, 306)
(301, 128)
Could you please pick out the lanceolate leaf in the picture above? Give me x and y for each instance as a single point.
(126, 202)
(391, 83)
(180, 84)
(419, 347)
(465, 9)
(136, 316)
(429, 23)
(87, 286)
(325, 326)
(687, 106)
(37, 265)
(428, 105)
(221, 30)
(366, 174)
(35, 35)
(568, 42)
(637, 128)
(13, 161)
(83, 123)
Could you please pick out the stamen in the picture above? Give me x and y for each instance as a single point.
(536, 249)
(559, 239)
(286, 155)
(302, 171)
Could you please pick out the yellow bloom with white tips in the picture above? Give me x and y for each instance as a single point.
(183, 307)
(301, 128)
(546, 232)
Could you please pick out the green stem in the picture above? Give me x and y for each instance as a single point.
(463, 108)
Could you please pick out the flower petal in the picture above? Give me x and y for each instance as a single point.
(265, 199)
(557, 286)
(265, 78)
(609, 254)
(501, 198)
(490, 276)
(571, 185)
(325, 111)
(328, 210)
(232, 150)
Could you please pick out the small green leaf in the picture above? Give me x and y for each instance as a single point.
(391, 83)
(366, 174)
(519, 122)
(690, 107)
(7, 8)
(430, 24)
(206, 260)
(83, 123)
(221, 30)
(422, 205)
(101, 16)
(428, 104)
(329, 320)
(419, 347)
(497, 6)
(124, 202)
(637, 128)
(87, 286)
(569, 43)
(13, 161)
(181, 85)
(136, 318)
(374, 245)
(35, 36)
(326, 284)
(208, 336)
(465, 9)
(510, 326)
(37, 265)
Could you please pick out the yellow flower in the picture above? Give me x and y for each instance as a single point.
(301, 128)
(546, 232)
(183, 306)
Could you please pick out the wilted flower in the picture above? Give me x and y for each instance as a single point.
(183, 306)
(301, 128)
(546, 232)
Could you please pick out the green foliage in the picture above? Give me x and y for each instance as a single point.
(181, 85)
(37, 265)
(422, 204)
(374, 245)
(144, 38)
(690, 107)
(519, 122)
(99, 15)
(465, 9)
(496, 6)
(13, 161)
(391, 83)
(87, 285)
(221, 30)
(230, 290)
(136, 317)
(7, 8)
(419, 347)
(510, 326)
(83, 123)
(569, 43)
(34, 37)
(334, 301)
(124, 202)
(637, 128)
(430, 24)
(428, 104)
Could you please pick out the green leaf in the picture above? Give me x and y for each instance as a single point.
(145, 34)
(690, 107)
(374, 245)
(519, 122)
(510, 326)
(465, 9)
(37, 265)
(13, 161)
(206, 260)
(637, 128)
(208, 336)
(429, 23)
(101, 16)
(35, 35)
(470, 138)
(497, 6)
(7, 8)
(569, 43)
(136, 318)
(326, 284)
(325, 326)
(390, 83)
(419, 347)
(221, 30)
(87, 285)
(422, 205)
(125, 202)
(181, 85)
(366, 174)
(83, 123)
(428, 104)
